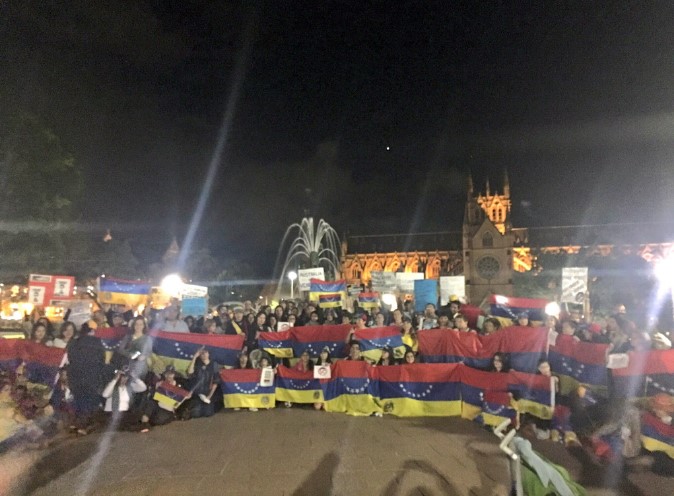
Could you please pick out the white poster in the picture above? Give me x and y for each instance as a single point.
(267, 377)
(305, 276)
(405, 281)
(36, 295)
(193, 291)
(383, 281)
(283, 326)
(322, 372)
(452, 286)
(63, 287)
(574, 284)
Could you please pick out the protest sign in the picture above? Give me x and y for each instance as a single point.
(322, 372)
(405, 280)
(305, 276)
(574, 284)
(425, 292)
(43, 289)
(196, 307)
(383, 281)
(452, 286)
(193, 291)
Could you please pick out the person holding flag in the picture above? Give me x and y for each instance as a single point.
(168, 396)
(205, 375)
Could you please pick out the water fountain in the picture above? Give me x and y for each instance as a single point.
(311, 248)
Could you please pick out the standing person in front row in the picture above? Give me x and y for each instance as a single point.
(205, 375)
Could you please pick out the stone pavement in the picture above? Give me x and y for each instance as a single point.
(294, 452)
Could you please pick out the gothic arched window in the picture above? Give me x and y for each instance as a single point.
(487, 240)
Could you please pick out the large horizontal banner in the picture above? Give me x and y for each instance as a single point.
(525, 346)
(584, 362)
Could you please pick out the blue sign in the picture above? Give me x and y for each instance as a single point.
(196, 307)
(425, 292)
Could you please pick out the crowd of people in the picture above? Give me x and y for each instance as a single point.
(93, 390)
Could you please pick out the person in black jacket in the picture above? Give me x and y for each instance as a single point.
(86, 357)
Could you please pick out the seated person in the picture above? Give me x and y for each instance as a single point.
(158, 412)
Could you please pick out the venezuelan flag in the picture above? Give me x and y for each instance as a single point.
(122, 292)
(582, 362)
(110, 338)
(177, 349)
(656, 435)
(474, 384)
(372, 341)
(351, 389)
(241, 389)
(42, 362)
(648, 373)
(278, 344)
(497, 406)
(415, 390)
(169, 396)
(315, 338)
(533, 393)
(330, 300)
(10, 352)
(450, 346)
(318, 287)
(297, 387)
(525, 346)
(368, 300)
(510, 308)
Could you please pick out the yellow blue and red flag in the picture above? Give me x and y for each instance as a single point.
(278, 344)
(122, 292)
(351, 389)
(178, 348)
(647, 374)
(656, 435)
(372, 340)
(42, 362)
(318, 287)
(314, 338)
(368, 300)
(297, 387)
(169, 396)
(510, 307)
(419, 389)
(578, 360)
(10, 351)
(241, 389)
(330, 300)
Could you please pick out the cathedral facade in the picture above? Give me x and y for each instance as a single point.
(488, 249)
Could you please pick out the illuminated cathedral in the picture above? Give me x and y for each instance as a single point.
(488, 249)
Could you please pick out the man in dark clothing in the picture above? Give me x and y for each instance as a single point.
(86, 357)
(237, 325)
(205, 378)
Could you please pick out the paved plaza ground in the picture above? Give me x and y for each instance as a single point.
(295, 452)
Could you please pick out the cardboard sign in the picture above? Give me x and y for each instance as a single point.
(405, 281)
(43, 289)
(383, 281)
(574, 284)
(304, 276)
(322, 372)
(283, 326)
(452, 286)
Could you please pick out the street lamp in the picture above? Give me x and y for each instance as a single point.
(292, 275)
(172, 285)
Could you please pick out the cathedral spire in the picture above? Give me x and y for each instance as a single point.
(470, 185)
(488, 189)
(506, 184)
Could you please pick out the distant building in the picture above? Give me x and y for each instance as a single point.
(489, 249)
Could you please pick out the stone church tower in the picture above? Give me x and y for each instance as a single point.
(487, 243)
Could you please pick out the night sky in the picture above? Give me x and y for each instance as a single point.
(368, 114)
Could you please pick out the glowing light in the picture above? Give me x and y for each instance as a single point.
(664, 271)
(553, 309)
(172, 285)
(292, 275)
(388, 148)
(501, 300)
(390, 300)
